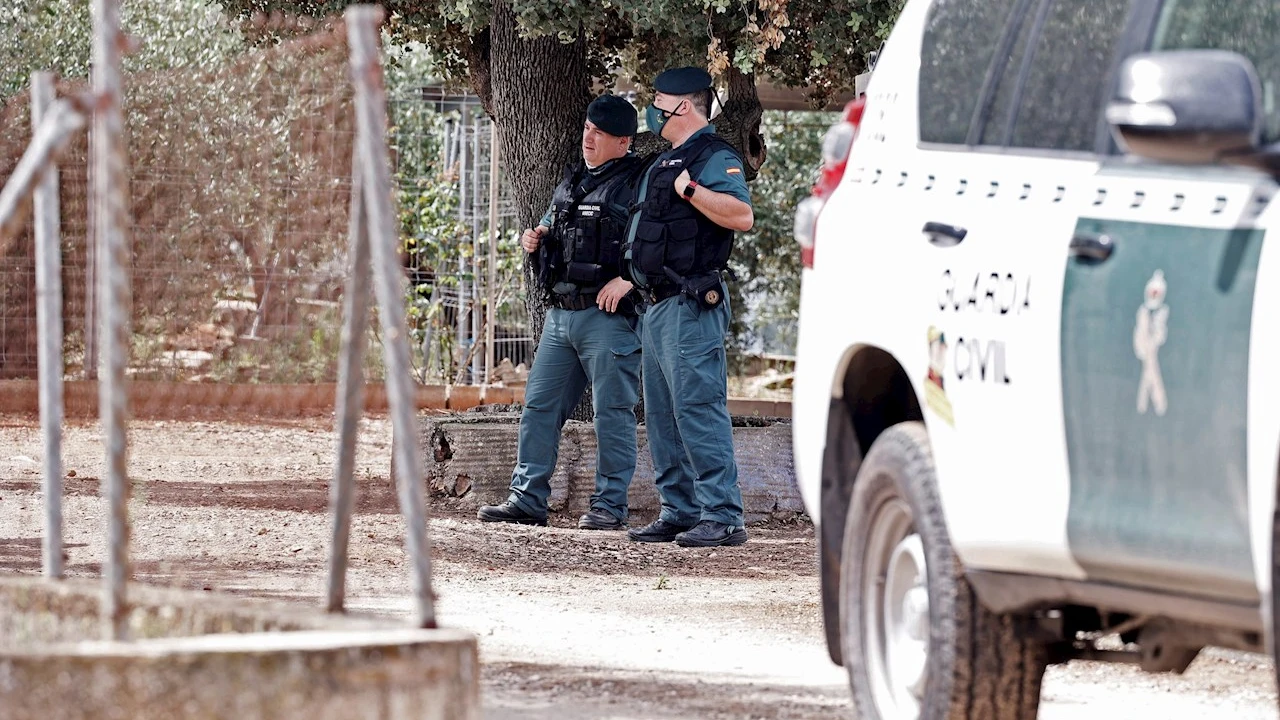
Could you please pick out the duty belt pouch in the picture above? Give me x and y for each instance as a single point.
(629, 305)
(545, 262)
(582, 273)
(706, 289)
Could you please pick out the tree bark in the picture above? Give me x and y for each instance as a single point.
(739, 123)
(479, 69)
(540, 95)
(646, 143)
(540, 90)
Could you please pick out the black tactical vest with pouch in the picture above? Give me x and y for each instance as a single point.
(589, 216)
(673, 238)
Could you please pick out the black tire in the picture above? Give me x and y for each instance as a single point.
(1272, 626)
(979, 666)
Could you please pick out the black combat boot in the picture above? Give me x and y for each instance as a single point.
(597, 519)
(657, 531)
(710, 533)
(508, 512)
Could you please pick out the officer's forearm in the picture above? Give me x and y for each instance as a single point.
(723, 209)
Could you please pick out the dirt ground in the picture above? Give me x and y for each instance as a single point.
(572, 624)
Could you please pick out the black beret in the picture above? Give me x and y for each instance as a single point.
(613, 115)
(682, 81)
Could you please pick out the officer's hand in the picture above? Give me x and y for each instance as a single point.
(682, 182)
(613, 291)
(532, 238)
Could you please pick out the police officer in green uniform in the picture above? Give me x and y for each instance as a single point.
(591, 332)
(690, 202)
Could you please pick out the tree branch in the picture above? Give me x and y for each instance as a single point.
(479, 68)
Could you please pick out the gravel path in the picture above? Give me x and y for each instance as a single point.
(572, 624)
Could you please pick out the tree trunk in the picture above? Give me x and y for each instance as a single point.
(540, 95)
(479, 71)
(646, 143)
(540, 90)
(739, 123)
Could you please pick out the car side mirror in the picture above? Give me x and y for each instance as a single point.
(1188, 106)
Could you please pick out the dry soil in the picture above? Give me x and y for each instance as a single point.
(572, 624)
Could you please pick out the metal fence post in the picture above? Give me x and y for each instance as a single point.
(49, 330)
(465, 170)
(110, 195)
(491, 283)
(375, 161)
(350, 386)
(473, 294)
(60, 122)
(92, 319)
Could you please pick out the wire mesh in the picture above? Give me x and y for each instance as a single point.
(239, 177)
(445, 212)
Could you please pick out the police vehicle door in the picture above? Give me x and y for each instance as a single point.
(1158, 312)
(1031, 154)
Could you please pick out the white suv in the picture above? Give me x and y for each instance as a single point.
(1032, 413)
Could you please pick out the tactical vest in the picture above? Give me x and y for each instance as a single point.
(672, 236)
(589, 224)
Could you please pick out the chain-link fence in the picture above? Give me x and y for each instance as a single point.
(240, 170)
(233, 206)
(444, 145)
(240, 184)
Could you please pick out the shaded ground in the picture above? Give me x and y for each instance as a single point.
(572, 624)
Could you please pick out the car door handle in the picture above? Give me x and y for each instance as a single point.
(944, 235)
(1094, 248)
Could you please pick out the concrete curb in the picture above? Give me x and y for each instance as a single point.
(201, 655)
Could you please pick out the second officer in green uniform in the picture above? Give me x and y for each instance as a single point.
(690, 202)
(591, 332)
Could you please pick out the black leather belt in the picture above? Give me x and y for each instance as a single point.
(579, 302)
(658, 293)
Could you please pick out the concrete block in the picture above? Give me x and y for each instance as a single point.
(759, 408)
(203, 655)
(470, 456)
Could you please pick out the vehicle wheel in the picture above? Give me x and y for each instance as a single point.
(916, 641)
(1275, 590)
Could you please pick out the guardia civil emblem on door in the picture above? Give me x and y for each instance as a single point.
(1149, 335)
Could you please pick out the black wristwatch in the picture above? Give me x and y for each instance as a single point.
(688, 189)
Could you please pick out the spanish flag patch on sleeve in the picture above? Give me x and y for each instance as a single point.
(733, 171)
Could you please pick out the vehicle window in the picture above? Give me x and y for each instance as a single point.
(1068, 79)
(997, 122)
(960, 38)
(1249, 27)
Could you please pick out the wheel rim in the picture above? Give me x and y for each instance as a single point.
(896, 613)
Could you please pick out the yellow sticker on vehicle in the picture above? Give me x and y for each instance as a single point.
(935, 393)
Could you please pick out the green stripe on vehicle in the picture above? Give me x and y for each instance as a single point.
(1155, 359)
